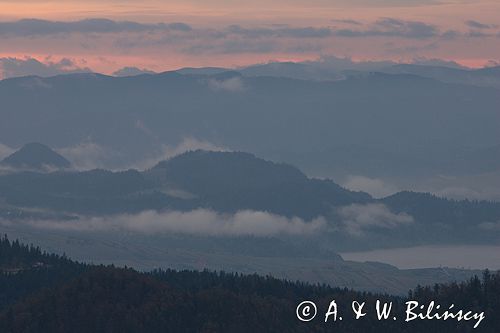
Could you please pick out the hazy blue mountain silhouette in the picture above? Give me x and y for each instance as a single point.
(36, 156)
(228, 182)
(324, 71)
(487, 77)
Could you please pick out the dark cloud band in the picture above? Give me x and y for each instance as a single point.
(34, 27)
(390, 27)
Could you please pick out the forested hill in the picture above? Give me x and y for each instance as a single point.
(46, 293)
(231, 182)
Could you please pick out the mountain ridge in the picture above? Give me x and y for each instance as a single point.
(233, 182)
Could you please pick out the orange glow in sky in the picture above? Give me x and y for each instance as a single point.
(354, 25)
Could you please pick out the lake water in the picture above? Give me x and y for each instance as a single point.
(467, 256)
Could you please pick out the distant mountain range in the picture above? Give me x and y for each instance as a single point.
(487, 77)
(368, 123)
(325, 71)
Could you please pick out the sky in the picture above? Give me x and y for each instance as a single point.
(50, 37)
